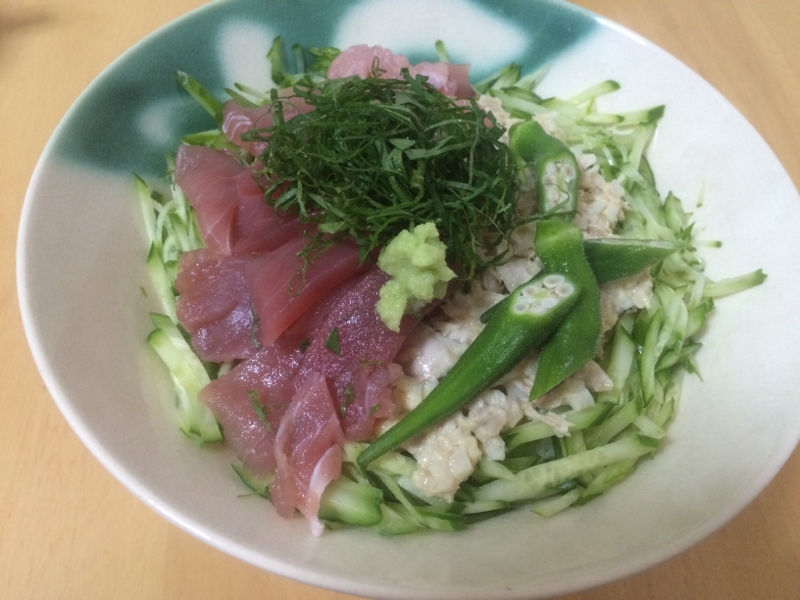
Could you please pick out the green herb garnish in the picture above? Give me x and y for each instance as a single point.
(332, 343)
(255, 402)
(347, 399)
(306, 75)
(377, 156)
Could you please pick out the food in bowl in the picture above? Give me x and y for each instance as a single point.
(407, 301)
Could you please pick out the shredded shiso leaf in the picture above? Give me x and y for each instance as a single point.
(379, 156)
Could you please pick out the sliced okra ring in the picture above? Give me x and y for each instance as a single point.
(613, 258)
(554, 165)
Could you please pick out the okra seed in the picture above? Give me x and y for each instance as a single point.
(551, 281)
(531, 291)
(521, 307)
(565, 289)
(538, 309)
(549, 303)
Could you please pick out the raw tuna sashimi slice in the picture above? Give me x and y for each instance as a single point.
(228, 339)
(451, 80)
(282, 287)
(229, 204)
(360, 59)
(237, 120)
(266, 378)
(307, 451)
(214, 305)
(301, 331)
(362, 372)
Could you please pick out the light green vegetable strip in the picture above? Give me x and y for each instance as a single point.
(621, 360)
(624, 416)
(606, 478)
(538, 430)
(547, 507)
(648, 357)
(161, 281)
(593, 92)
(352, 503)
(648, 427)
(393, 523)
(734, 285)
(201, 95)
(536, 480)
(189, 377)
(148, 209)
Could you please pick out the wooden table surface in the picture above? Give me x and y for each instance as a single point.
(68, 529)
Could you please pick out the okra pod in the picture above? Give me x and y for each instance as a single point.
(613, 258)
(554, 165)
(533, 312)
(560, 247)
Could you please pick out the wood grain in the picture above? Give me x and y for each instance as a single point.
(68, 529)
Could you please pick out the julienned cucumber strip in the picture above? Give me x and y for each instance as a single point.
(352, 503)
(344, 500)
(734, 285)
(625, 415)
(535, 481)
(607, 477)
(620, 362)
(189, 376)
(161, 282)
(259, 485)
(547, 507)
(171, 229)
(538, 430)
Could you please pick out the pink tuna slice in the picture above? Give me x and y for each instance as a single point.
(266, 378)
(231, 212)
(237, 119)
(358, 60)
(307, 451)
(214, 305)
(364, 367)
(282, 290)
(451, 80)
(362, 373)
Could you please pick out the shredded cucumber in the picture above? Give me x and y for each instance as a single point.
(172, 230)
(189, 376)
(536, 481)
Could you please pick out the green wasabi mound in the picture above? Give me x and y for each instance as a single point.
(416, 262)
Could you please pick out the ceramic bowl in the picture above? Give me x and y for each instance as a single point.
(82, 274)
